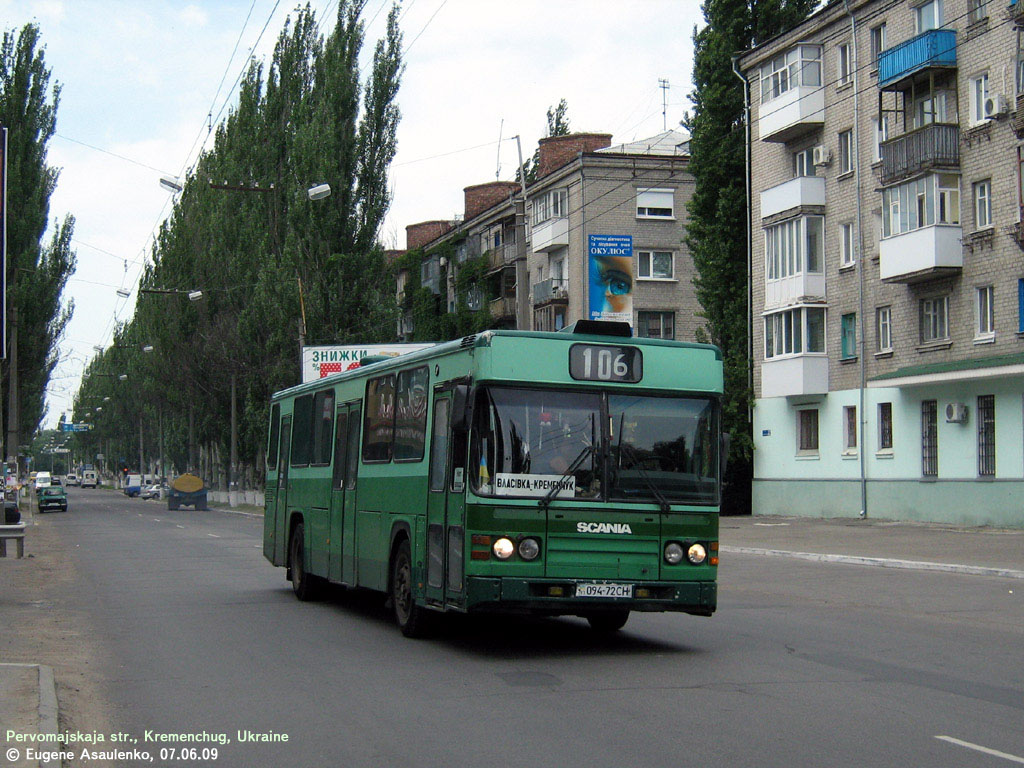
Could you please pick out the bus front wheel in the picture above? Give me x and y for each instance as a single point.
(411, 618)
(302, 582)
(608, 621)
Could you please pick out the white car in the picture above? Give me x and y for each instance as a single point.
(71, 479)
(43, 479)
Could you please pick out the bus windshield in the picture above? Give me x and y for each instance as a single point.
(653, 448)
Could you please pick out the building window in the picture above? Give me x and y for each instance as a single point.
(928, 16)
(850, 429)
(984, 313)
(550, 205)
(929, 439)
(654, 203)
(924, 202)
(794, 247)
(976, 11)
(656, 325)
(983, 204)
(655, 265)
(845, 64)
(986, 435)
(978, 92)
(877, 42)
(849, 336)
(885, 426)
(845, 151)
(807, 430)
(939, 107)
(883, 329)
(794, 332)
(846, 252)
(803, 163)
(800, 66)
(934, 323)
(881, 135)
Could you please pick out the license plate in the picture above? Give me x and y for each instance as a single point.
(604, 590)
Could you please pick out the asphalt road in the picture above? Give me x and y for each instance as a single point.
(805, 664)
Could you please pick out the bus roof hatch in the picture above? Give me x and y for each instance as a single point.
(599, 328)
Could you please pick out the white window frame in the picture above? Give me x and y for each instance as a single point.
(877, 42)
(801, 65)
(934, 319)
(794, 247)
(645, 265)
(920, 203)
(976, 11)
(984, 313)
(803, 163)
(846, 151)
(885, 421)
(844, 56)
(808, 450)
(883, 329)
(847, 252)
(652, 199)
(928, 16)
(983, 204)
(978, 92)
(790, 333)
(881, 133)
(552, 204)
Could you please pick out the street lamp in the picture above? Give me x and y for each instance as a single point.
(170, 183)
(319, 192)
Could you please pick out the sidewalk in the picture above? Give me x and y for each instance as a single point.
(919, 546)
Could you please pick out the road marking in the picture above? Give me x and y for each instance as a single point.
(214, 535)
(179, 526)
(979, 748)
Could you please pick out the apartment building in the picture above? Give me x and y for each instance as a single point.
(887, 284)
(599, 234)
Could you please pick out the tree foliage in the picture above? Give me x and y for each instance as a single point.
(37, 271)
(273, 265)
(716, 233)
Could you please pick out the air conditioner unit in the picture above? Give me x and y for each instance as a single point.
(821, 155)
(956, 413)
(995, 106)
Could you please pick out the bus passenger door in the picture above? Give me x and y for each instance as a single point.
(437, 498)
(343, 494)
(280, 521)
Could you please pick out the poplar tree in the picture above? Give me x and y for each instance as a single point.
(37, 272)
(716, 232)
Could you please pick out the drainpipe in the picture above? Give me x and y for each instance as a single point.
(858, 234)
(750, 241)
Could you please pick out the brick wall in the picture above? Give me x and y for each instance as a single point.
(417, 235)
(557, 151)
(480, 197)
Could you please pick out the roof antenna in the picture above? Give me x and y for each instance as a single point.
(663, 84)
(501, 129)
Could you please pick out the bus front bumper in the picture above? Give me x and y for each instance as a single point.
(559, 596)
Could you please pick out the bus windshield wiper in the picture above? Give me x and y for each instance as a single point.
(587, 450)
(662, 501)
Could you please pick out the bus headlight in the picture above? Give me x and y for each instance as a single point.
(529, 549)
(673, 553)
(503, 548)
(696, 554)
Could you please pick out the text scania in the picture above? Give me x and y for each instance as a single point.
(603, 528)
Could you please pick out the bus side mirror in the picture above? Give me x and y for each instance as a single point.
(462, 408)
(723, 457)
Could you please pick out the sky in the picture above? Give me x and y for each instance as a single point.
(142, 80)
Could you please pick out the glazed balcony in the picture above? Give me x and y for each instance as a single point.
(934, 49)
(795, 376)
(928, 253)
(800, 192)
(933, 146)
(798, 111)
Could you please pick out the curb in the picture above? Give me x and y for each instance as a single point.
(47, 708)
(880, 562)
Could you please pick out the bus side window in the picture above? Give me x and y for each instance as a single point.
(302, 431)
(272, 442)
(379, 430)
(353, 447)
(439, 445)
(340, 453)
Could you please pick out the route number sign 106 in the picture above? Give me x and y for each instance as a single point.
(601, 362)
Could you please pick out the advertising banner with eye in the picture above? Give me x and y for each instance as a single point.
(610, 259)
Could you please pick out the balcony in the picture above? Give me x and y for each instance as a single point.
(795, 193)
(550, 291)
(551, 234)
(934, 49)
(797, 111)
(934, 146)
(505, 255)
(794, 289)
(928, 253)
(503, 308)
(794, 376)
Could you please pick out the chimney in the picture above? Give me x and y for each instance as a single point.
(556, 151)
(418, 235)
(480, 197)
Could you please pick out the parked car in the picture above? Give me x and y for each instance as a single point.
(42, 480)
(71, 479)
(155, 491)
(52, 497)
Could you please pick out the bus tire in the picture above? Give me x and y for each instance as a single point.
(608, 621)
(303, 584)
(411, 619)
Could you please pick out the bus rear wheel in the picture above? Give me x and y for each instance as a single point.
(302, 583)
(411, 618)
(608, 621)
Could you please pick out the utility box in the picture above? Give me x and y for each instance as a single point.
(187, 491)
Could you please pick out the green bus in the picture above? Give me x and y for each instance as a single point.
(569, 473)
